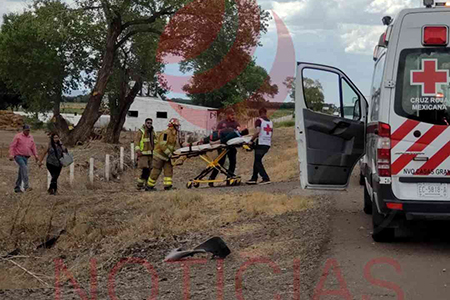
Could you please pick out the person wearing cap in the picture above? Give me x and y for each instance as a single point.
(224, 127)
(20, 150)
(144, 141)
(166, 144)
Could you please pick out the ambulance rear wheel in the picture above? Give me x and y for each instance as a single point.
(382, 233)
(367, 202)
(362, 180)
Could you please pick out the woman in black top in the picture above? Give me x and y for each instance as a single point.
(54, 154)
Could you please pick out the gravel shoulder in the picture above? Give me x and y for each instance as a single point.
(414, 266)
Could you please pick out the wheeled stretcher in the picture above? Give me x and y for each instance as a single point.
(211, 164)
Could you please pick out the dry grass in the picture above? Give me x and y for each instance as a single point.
(281, 162)
(105, 226)
(106, 219)
(264, 249)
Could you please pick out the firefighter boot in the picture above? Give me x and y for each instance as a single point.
(140, 183)
(168, 183)
(150, 184)
(150, 189)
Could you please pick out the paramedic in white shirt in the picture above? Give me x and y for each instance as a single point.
(263, 137)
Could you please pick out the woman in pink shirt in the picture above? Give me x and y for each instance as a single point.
(22, 148)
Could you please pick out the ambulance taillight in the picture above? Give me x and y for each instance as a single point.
(435, 36)
(384, 150)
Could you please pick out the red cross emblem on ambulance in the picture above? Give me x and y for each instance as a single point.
(429, 77)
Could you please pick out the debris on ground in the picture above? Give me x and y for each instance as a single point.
(51, 241)
(214, 245)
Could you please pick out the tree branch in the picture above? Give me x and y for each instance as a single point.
(84, 8)
(106, 9)
(152, 19)
(133, 32)
(26, 271)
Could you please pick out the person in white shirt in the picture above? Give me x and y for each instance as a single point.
(263, 137)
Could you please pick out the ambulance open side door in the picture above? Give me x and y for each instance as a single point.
(331, 116)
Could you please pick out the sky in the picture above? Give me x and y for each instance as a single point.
(339, 33)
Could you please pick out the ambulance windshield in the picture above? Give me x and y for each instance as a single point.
(423, 85)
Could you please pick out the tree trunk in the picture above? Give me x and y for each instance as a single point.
(57, 104)
(60, 124)
(118, 117)
(91, 113)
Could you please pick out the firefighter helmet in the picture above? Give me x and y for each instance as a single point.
(174, 122)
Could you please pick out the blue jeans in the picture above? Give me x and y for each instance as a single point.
(22, 161)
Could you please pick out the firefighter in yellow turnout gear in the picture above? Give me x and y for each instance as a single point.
(144, 143)
(167, 142)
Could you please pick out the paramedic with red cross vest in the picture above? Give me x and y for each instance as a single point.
(263, 135)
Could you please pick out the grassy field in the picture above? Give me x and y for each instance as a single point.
(289, 123)
(72, 108)
(281, 113)
(106, 220)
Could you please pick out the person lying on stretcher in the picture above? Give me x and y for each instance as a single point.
(224, 137)
(213, 139)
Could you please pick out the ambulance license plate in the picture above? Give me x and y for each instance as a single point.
(438, 190)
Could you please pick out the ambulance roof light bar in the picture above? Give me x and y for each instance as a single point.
(428, 3)
(442, 4)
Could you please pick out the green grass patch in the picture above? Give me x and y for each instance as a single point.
(281, 113)
(290, 123)
(72, 110)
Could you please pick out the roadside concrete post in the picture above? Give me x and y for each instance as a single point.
(121, 159)
(107, 167)
(71, 174)
(91, 171)
(132, 155)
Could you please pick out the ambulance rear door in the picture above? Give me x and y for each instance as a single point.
(330, 124)
(420, 107)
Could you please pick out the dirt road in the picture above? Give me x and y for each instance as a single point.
(416, 265)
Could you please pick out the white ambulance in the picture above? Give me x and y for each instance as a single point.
(404, 135)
